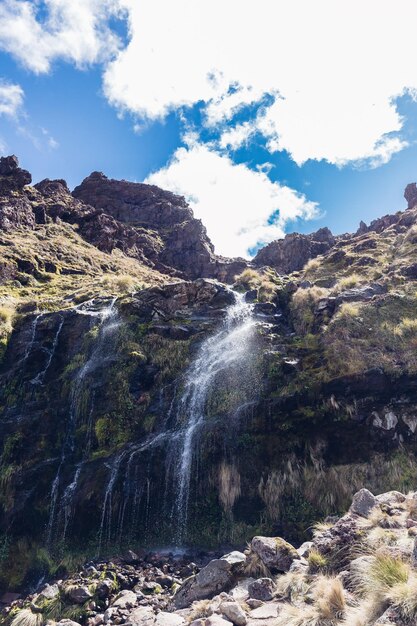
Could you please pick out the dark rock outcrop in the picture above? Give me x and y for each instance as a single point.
(294, 251)
(410, 194)
(182, 241)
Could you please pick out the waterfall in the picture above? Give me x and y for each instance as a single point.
(108, 323)
(39, 378)
(228, 350)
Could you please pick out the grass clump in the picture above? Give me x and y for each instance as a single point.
(316, 561)
(264, 281)
(26, 617)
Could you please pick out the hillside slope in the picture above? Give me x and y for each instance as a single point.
(144, 403)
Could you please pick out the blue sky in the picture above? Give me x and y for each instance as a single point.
(262, 137)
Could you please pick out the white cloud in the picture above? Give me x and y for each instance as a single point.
(11, 99)
(334, 73)
(334, 67)
(77, 31)
(233, 201)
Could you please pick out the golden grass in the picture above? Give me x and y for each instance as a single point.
(26, 617)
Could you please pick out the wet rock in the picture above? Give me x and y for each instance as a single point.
(276, 553)
(215, 577)
(233, 612)
(363, 502)
(261, 589)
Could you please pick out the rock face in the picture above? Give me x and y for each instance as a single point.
(183, 241)
(99, 332)
(295, 250)
(410, 194)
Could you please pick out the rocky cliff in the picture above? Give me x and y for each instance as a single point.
(145, 403)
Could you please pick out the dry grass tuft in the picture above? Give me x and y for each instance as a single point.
(229, 486)
(26, 617)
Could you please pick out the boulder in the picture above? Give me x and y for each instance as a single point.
(67, 622)
(169, 619)
(391, 498)
(143, 616)
(234, 612)
(49, 592)
(262, 589)
(78, 593)
(216, 576)
(266, 611)
(126, 599)
(363, 502)
(276, 553)
(216, 620)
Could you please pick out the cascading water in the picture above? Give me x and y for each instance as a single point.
(39, 378)
(227, 350)
(108, 323)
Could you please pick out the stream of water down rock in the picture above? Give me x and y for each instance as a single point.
(222, 357)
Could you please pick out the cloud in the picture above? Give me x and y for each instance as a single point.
(77, 31)
(234, 202)
(11, 99)
(334, 70)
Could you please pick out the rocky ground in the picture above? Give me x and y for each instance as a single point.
(358, 570)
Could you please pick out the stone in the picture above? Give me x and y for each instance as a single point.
(299, 566)
(169, 619)
(265, 611)
(262, 589)
(104, 588)
(97, 620)
(78, 593)
(67, 622)
(216, 576)
(410, 194)
(387, 421)
(391, 498)
(49, 592)
(151, 587)
(414, 554)
(240, 592)
(216, 620)
(234, 612)
(294, 251)
(305, 548)
(142, 616)
(126, 599)
(363, 502)
(276, 553)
